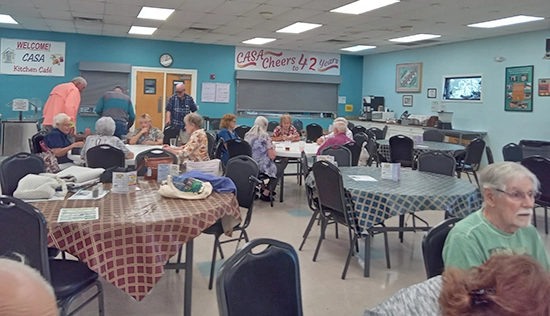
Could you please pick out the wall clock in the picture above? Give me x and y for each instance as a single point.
(166, 60)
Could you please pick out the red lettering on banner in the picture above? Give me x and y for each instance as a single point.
(34, 46)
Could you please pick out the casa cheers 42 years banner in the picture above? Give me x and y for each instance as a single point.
(32, 57)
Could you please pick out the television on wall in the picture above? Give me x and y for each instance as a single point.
(462, 88)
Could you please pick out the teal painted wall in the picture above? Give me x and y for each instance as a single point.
(471, 57)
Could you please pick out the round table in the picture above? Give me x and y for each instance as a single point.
(384, 148)
(294, 149)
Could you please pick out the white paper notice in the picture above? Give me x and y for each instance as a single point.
(341, 99)
(222, 92)
(20, 105)
(87, 195)
(208, 93)
(363, 178)
(78, 214)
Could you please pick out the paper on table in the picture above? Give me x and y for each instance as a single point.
(87, 195)
(78, 214)
(54, 198)
(362, 178)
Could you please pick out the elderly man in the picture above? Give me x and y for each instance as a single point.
(340, 137)
(349, 134)
(24, 292)
(502, 226)
(118, 106)
(179, 105)
(64, 98)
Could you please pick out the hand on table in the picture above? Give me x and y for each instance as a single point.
(320, 140)
(78, 144)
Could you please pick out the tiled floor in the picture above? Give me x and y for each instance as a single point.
(324, 293)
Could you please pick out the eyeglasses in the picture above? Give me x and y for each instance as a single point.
(180, 91)
(520, 196)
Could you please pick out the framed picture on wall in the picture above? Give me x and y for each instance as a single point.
(544, 87)
(408, 77)
(149, 86)
(518, 87)
(432, 93)
(408, 100)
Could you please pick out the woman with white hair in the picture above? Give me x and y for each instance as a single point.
(339, 138)
(196, 148)
(57, 139)
(105, 131)
(349, 134)
(263, 152)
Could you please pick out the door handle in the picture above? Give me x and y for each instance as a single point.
(159, 109)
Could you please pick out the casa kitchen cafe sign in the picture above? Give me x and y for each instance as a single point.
(32, 57)
(269, 59)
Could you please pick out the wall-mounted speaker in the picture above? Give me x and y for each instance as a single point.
(547, 55)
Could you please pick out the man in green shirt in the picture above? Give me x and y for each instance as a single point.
(502, 226)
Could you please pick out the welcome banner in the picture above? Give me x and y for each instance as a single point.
(32, 58)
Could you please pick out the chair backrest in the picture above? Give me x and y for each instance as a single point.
(215, 124)
(360, 138)
(218, 149)
(23, 231)
(372, 149)
(15, 167)
(244, 171)
(401, 149)
(105, 156)
(34, 144)
(350, 125)
(432, 246)
(489, 154)
(384, 132)
(237, 147)
(341, 154)
(355, 149)
(314, 131)
(211, 142)
(535, 148)
(433, 135)
(358, 129)
(170, 132)
(540, 166)
(152, 153)
(437, 162)
(271, 126)
(242, 130)
(474, 153)
(512, 152)
(377, 132)
(305, 166)
(298, 124)
(252, 283)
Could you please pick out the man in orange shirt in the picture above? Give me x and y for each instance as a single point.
(64, 98)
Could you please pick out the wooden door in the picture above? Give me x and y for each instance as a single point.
(149, 96)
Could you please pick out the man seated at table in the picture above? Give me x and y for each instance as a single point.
(502, 226)
(58, 141)
(339, 138)
(105, 131)
(349, 134)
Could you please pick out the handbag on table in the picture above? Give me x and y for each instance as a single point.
(152, 165)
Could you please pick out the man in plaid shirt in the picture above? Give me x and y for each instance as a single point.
(179, 105)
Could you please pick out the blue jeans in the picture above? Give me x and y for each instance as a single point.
(120, 129)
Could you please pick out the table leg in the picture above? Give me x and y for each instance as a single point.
(366, 270)
(188, 285)
(281, 189)
(401, 224)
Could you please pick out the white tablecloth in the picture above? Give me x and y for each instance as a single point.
(294, 149)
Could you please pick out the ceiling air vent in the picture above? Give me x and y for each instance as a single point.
(418, 43)
(82, 19)
(199, 29)
(336, 41)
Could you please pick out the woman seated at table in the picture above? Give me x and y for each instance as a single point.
(322, 139)
(339, 138)
(263, 152)
(196, 149)
(285, 130)
(146, 134)
(57, 139)
(105, 131)
(227, 133)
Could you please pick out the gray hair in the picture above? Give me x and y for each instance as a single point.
(340, 126)
(496, 175)
(79, 80)
(105, 126)
(17, 264)
(259, 128)
(340, 119)
(193, 118)
(59, 118)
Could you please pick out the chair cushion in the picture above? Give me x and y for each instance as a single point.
(70, 277)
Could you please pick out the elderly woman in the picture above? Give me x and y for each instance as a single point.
(285, 130)
(105, 129)
(57, 139)
(227, 133)
(196, 149)
(263, 152)
(146, 134)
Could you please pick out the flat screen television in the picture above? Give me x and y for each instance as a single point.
(462, 88)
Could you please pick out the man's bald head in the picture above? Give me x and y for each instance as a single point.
(24, 292)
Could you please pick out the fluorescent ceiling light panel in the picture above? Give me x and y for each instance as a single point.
(259, 41)
(6, 18)
(357, 48)
(142, 30)
(363, 6)
(299, 27)
(414, 38)
(506, 21)
(155, 13)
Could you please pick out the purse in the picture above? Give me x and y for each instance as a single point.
(152, 166)
(50, 160)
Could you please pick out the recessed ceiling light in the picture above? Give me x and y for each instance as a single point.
(363, 6)
(259, 40)
(298, 27)
(357, 48)
(155, 13)
(506, 21)
(414, 38)
(142, 30)
(6, 18)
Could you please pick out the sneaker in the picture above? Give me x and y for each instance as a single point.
(265, 198)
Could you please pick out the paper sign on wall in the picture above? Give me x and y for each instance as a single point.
(215, 92)
(32, 58)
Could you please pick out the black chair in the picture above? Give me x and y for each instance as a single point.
(402, 150)
(23, 231)
(341, 154)
(432, 246)
(512, 152)
(437, 162)
(384, 132)
(361, 138)
(377, 132)
(336, 203)
(272, 125)
(540, 166)
(238, 147)
(34, 142)
(211, 143)
(298, 125)
(314, 131)
(355, 149)
(472, 160)
(433, 135)
(215, 124)
(242, 130)
(358, 129)
(260, 282)
(489, 154)
(169, 133)
(152, 153)
(372, 149)
(218, 148)
(105, 156)
(15, 167)
(350, 125)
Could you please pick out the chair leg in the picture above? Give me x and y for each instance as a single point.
(321, 237)
(350, 253)
(100, 299)
(216, 245)
(469, 178)
(546, 220)
(179, 258)
(401, 224)
(220, 249)
(308, 228)
(475, 177)
(336, 230)
(366, 269)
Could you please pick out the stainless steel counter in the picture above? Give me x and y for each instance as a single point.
(16, 135)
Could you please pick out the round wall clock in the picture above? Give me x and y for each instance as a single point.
(166, 60)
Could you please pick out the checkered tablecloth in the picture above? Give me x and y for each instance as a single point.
(416, 191)
(384, 148)
(136, 234)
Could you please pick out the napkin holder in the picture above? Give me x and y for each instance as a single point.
(124, 182)
(391, 171)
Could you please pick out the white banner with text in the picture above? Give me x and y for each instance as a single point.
(32, 57)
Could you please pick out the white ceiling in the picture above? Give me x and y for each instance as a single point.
(229, 22)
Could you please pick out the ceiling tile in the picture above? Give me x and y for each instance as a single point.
(48, 4)
(130, 2)
(164, 32)
(118, 20)
(247, 22)
(122, 10)
(229, 30)
(56, 14)
(216, 19)
(201, 5)
(87, 6)
(115, 28)
(235, 7)
(88, 26)
(16, 11)
(185, 17)
(167, 4)
(60, 23)
(295, 15)
(325, 5)
(276, 10)
(271, 25)
(288, 3)
(89, 31)
(63, 29)
(88, 15)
